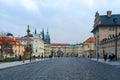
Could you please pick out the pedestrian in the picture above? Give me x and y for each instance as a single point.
(105, 57)
(34, 57)
(38, 56)
(20, 57)
(110, 57)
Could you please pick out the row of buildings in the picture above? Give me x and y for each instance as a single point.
(106, 40)
(40, 45)
(85, 49)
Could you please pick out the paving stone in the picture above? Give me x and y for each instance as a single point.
(62, 69)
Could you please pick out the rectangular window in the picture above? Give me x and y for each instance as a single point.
(112, 28)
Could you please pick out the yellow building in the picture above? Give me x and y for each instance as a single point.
(88, 48)
(18, 49)
(65, 50)
(9, 47)
(57, 50)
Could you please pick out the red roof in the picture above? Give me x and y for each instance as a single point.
(90, 39)
(22, 38)
(55, 44)
(9, 40)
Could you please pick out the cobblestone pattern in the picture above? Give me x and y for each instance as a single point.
(62, 69)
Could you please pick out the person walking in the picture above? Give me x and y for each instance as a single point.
(105, 57)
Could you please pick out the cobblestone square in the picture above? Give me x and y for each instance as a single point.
(62, 69)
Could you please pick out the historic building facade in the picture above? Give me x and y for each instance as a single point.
(63, 50)
(36, 42)
(88, 48)
(9, 47)
(111, 45)
(104, 26)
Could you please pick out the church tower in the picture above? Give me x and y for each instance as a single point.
(35, 31)
(43, 36)
(47, 38)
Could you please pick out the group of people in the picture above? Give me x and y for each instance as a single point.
(20, 57)
(110, 57)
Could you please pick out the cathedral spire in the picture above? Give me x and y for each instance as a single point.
(43, 37)
(47, 38)
(35, 31)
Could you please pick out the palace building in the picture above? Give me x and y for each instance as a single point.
(105, 26)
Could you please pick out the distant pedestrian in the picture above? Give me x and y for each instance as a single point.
(105, 57)
(38, 56)
(34, 57)
(20, 58)
(110, 57)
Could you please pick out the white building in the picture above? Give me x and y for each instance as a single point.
(38, 45)
(36, 42)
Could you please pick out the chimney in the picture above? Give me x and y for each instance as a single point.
(109, 13)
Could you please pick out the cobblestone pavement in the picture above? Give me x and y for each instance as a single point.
(62, 69)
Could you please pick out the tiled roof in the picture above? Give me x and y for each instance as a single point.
(10, 41)
(112, 20)
(90, 39)
(55, 44)
(22, 38)
(31, 35)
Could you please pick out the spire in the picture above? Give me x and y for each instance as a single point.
(28, 30)
(43, 37)
(35, 31)
(47, 39)
(47, 33)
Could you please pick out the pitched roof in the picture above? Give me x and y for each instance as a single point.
(55, 44)
(90, 39)
(10, 41)
(22, 38)
(112, 20)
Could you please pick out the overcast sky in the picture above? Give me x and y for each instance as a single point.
(68, 21)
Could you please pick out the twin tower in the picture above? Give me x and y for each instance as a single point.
(45, 38)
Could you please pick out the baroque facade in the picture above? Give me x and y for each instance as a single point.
(110, 45)
(60, 50)
(104, 26)
(9, 47)
(36, 42)
(88, 48)
(84, 49)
